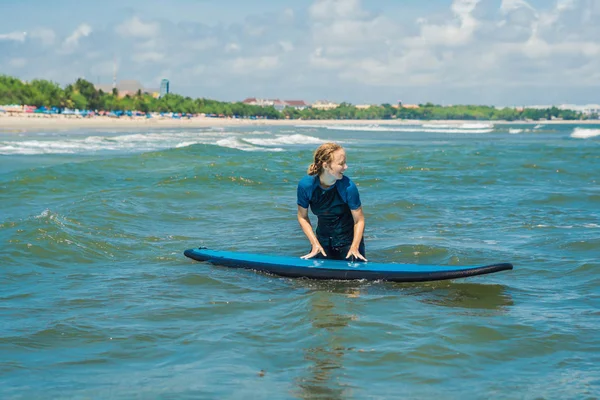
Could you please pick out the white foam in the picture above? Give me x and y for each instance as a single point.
(236, 143)
(284, 139)
(310, 126)
(260, 133)
(439, 126)
(31, 147)
(538, 126)
(464, 125)
(555, 226)
(43, 214)
(137, 142)
(484, 125)
(585, 133)
(514, 131)
(419, 128)
(185, 144)
(90, 144)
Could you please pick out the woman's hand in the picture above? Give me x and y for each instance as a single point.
(353, 252)
(316, 249)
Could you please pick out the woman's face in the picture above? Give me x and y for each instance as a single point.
(337, 166)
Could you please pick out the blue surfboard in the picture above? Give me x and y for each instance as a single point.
(295, 267)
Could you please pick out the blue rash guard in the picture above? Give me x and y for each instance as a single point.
(335, 227)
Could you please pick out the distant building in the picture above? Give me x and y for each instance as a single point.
(411, 106)
(588, 109)
(164, 87)
(297, 104)
(363, 106)
(253, 101)
(402, 105)
(127, 88)
(324, 105)
(279, 105)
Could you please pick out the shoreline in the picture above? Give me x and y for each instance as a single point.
(37, 122)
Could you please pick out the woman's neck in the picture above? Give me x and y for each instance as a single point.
(326, 181)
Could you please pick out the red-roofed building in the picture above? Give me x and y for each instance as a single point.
(253, 101)
(250, 101)
(297, 104)
(278, 104)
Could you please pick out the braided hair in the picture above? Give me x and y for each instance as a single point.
(323, 154)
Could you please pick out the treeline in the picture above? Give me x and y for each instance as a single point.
(83, 95)
(434, 112)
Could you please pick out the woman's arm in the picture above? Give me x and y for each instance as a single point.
(306, 226)
(359, 229)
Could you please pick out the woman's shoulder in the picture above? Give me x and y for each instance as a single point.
(345, 182)
(346, 185)
(307, 181)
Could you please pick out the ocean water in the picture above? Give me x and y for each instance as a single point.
(98, 301)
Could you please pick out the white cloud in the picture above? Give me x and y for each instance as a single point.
(255, 30)
(135, 27)
(329, 46)
(510, 5)
(232, 48)
(461, 48)
(288, 15)
(104, 68)
(45, 35)
(148, 56)
(72, 41)
(563, 5)
(17, 62)
(453, 33)
(344, 24)
(336, 9)
(286, 46)
(150, 44)
(203, 44)
(249, 65)
(14, 36)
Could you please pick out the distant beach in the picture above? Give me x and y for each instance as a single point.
(37, 121)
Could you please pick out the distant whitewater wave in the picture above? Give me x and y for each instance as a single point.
(466, 125)
(439, 126)
(538, 126)
(365, 128)
(236, 143)
(94, 144)
(477, 126)
(284, 139)
(260, 133)
(137, 142)
(588, 226)
(431, 128)
(585, 133)
(514, 131)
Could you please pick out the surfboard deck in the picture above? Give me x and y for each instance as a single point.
(295, 267)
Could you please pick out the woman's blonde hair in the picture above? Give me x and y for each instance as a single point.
(323, 154)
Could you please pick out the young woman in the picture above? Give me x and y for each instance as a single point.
(334, 199)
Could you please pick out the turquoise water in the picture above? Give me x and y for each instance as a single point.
(98, 301)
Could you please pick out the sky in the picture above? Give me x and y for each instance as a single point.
(493, 52)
